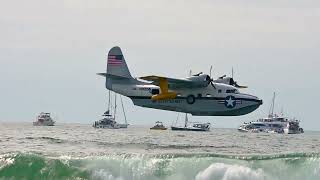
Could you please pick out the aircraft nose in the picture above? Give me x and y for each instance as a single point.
(257, 100)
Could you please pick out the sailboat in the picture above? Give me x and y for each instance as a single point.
(109, 120)
(189, 126)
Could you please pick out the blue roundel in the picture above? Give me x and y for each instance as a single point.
(230, 102)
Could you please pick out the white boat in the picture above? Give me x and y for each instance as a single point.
(158, 126)
(273, 124)
(109, 121)
(44, 119)
(191, 126)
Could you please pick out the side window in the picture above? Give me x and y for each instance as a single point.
(155, 91)
(219, 91)
(228, 91)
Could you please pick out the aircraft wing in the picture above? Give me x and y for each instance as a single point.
(172, 82)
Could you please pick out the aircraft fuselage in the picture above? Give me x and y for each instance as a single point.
(224, 100)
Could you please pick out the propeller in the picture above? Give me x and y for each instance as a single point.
(209, 79)
(211, 82)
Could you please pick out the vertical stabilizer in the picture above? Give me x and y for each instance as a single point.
(116, 64)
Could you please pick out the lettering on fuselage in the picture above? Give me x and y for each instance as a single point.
(176, 101)
(145, 89)
(141, 89)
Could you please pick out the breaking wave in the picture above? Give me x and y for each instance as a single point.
(161, 167)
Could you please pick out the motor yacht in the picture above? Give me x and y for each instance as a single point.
(44, 119)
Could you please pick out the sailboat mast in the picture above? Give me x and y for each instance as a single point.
(124, 113)
(109, 101)
(272, 105)
(115, 105)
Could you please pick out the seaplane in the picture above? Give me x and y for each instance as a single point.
(199, 94)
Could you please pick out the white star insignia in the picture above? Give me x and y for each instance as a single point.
(230, 102)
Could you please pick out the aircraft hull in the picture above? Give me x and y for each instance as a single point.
(201, 106)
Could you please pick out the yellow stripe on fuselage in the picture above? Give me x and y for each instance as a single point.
(164, 94)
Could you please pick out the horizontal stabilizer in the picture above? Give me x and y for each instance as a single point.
(102, 74)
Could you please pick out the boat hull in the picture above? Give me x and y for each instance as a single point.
(158, 128)
(187, 129)
(43, 124)
(106, 127)
(242, 130)
(123, 126)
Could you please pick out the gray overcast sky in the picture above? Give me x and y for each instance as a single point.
(51, 50)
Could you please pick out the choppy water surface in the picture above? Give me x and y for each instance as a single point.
(72, 151)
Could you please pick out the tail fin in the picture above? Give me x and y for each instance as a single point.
(116, 64)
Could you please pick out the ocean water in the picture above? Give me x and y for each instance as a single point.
(73, 151)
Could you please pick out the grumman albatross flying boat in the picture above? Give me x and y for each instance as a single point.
(198, 94)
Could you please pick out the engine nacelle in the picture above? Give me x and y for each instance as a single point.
(201, 80)
(229, 81)
(226, 80)
(164, 96)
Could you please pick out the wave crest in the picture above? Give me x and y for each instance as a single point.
(161, 167)
(230, 172)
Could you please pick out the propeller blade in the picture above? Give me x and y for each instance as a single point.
(213, 85)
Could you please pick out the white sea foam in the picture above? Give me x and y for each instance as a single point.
(221, 171)
(104, 175)
(6, 159)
